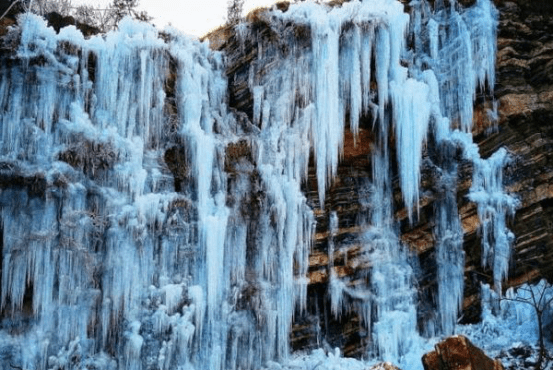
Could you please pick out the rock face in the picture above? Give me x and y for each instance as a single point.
(523, 93)
(520, 119)
(458, 353)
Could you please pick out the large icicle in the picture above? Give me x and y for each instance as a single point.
(394, 327)
(467, 39)
(412, 111)
(493, 206)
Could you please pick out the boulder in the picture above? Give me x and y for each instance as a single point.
(384, 366)
(458, 353)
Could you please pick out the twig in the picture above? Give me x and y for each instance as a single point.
(3, 15)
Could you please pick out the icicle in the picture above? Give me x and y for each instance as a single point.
(133, 347)
(433, 29)
(328, 125)
(366, 56)
(482, 19)
(469, 41)
(450, 252)
(411, 118)
(352, 85)
(394, 327)
(382, 61)
(336, 287)
(493, 206)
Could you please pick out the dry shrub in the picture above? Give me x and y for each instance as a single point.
(302, 32)
(90, 157)
(218, 36)
(235, 151)
(258, 18)
(282, 6)
(337, 3)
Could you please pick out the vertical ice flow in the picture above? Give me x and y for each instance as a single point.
(131, 232)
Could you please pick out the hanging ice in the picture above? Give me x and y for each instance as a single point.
(455, 41)
(151, 226)
(466, 57)
(493, 206)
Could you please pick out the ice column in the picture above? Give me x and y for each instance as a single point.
(466, 39)
(393, 302)
(493, 206)
(455, 41)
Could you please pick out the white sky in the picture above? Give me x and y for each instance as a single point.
(194, 17)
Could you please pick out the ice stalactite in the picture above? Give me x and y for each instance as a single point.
(412, 112)
(494, 205)
(328, 121)
(461, 51)
(336, 286)
(462, 55)
(393, 301)
(449, 243)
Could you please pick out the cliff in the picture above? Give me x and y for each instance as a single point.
(333, 175)
(522, 102)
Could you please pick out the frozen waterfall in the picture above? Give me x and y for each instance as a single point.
(146, 225)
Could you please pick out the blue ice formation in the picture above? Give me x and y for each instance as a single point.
(109, 263)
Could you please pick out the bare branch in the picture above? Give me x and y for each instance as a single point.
(7, 10)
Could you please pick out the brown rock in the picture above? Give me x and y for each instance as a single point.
(458, 353)
(384, 366)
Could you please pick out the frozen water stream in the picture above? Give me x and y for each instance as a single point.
(151, 227)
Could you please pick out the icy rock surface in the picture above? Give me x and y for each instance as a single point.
(109, 262)
(107, 250)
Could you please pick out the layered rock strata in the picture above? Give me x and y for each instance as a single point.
(518, 118)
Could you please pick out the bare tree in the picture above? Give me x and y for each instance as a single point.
(43, 7)
(86, 14)
(13, 3)
(234, 11)
(123, 8)
(104, 19)
(540, 300)
(101, 18)
(538, 297)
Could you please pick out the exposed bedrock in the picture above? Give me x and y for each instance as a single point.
(456, 353)
(522, 124)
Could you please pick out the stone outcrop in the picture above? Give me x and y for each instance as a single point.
(384, 366)
(523, 94)
(458, 353)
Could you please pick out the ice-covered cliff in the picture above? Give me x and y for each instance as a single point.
(149, 221)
